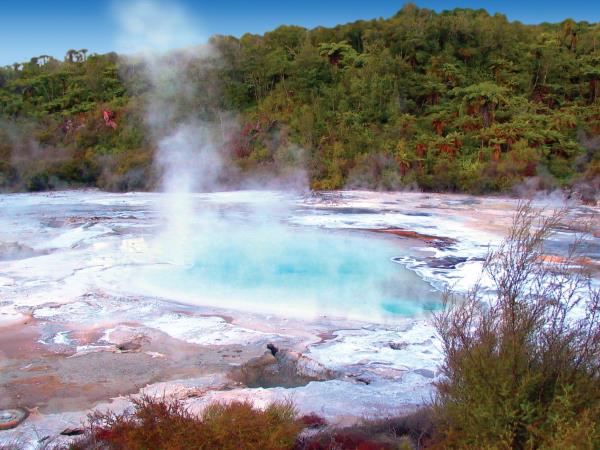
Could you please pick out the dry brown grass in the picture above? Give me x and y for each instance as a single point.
(166, 424)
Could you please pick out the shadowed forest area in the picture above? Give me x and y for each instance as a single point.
(453, 101)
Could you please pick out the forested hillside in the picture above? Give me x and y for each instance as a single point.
(452, 101)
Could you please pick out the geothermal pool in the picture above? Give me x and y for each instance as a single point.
(107, 295)
(287, 271)
(249, 251)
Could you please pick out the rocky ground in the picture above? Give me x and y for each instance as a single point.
(71, 340)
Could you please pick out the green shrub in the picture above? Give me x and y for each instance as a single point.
(521, 369)
(40, 181)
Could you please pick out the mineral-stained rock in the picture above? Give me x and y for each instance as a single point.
(284, 368)
(129, 346)
(304, 366)
(11, 418)
(435, 241)
(16, 250)
(447, 262)
(398, 345)
(425, 373)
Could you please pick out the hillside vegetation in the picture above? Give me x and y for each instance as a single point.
(452, 101)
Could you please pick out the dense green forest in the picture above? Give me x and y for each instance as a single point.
(453, 101)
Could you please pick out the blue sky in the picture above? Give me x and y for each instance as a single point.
(30, 28)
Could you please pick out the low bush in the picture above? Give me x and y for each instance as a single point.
(522, 368)
(405, 432)
(166, 424)
(159, 423)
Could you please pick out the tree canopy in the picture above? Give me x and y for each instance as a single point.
(453, 101)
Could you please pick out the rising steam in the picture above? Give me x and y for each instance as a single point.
(157, 38)
(153, 28)
(239, 250)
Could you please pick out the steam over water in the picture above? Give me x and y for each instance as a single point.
(243, 251)
(292, 271)
(243, 256)
(266, 252)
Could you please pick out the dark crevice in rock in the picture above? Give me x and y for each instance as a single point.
(281, 368)
(273, 349)
(72, 432)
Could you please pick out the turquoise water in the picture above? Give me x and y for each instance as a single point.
(294, 271)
